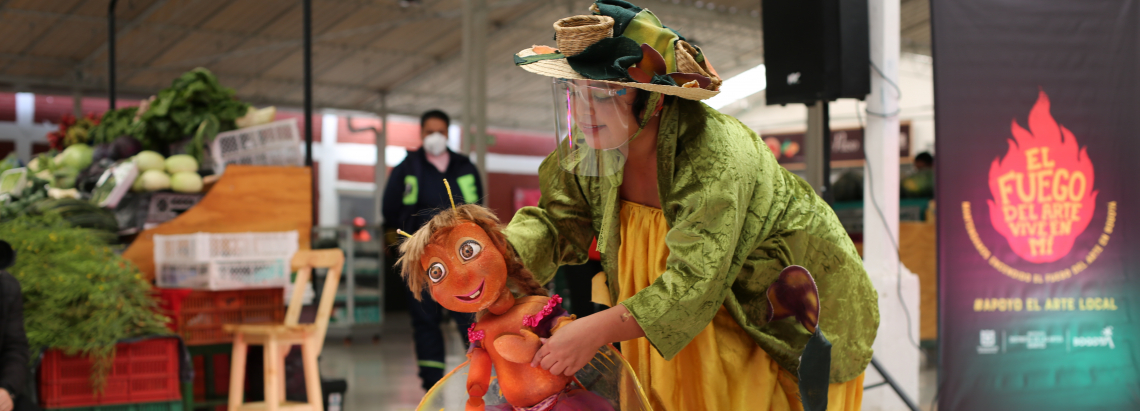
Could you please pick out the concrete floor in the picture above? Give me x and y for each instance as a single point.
(382, 376)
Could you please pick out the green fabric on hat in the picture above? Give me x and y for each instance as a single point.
(607, 59)
(679, 36)
(621, 11)
(664, 80)
(647, 29)
(521, 61)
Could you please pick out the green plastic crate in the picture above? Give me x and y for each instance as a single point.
(149, 406)
(368, 314)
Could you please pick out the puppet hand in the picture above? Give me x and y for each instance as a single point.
(568, 350)
(518, 348)
(474, 404)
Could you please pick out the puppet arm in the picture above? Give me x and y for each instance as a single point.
(518, 348)
(478, 378)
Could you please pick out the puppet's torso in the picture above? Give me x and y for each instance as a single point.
(521, 384)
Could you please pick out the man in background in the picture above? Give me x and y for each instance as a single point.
(13, 340)
(920, 183)
(414, 194)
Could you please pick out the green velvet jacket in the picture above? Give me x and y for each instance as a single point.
(736, 219)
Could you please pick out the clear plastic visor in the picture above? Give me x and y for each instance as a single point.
(594, 122)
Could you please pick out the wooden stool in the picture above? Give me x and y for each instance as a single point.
(277, 339)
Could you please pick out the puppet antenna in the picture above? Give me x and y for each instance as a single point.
(403, 233)
(449, 196)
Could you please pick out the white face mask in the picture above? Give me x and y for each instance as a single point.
(435, 143)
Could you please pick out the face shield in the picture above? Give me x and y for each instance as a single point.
(595, 122)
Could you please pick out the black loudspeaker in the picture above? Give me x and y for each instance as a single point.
(816, 50)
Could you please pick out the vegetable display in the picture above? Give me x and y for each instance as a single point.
(118, 123)
(179, 172)
(79, 296)
(195, 106)
(72, 131)
(34, 191)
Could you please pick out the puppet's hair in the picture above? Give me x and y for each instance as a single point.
(412, 249)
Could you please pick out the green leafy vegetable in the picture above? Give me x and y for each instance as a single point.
(195, 105)
(79, 296)
(34, 191)
(116, 123)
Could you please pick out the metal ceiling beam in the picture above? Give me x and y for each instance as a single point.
(37, 13)
(346, 56)
(455, 55)
(42, 59)
(32, 44)
(127, 28)
(293, 43)
(67, 87)
(689, 13)
(271, 21)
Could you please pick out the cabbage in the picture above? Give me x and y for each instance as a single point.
(149, 160)
(154, 180)
(137, 186)
(77, 156)
(65, 177)
(186, 182)
(179, 163)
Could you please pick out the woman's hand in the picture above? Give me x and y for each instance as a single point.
(569, 349)
(574, 344)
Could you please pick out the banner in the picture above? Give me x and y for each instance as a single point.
(1038, 165)
(846, 147)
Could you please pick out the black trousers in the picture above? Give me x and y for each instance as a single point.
(426, 318)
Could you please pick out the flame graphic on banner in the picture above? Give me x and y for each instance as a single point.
(1043, 195)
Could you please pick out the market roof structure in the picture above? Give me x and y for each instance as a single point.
(409, 49)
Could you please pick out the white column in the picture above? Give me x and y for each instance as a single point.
(329, 199)
(882, 143)
(895, 344)
(475, 89)
(25, 117)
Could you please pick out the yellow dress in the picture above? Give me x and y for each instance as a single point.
(722, 368)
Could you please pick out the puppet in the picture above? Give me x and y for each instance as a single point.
(467, 264)
(465, 261)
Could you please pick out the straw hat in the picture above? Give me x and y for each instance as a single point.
(625, 45)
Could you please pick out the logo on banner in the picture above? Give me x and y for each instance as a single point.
(1036, 340)
(987, 343)
(1042, 188)
(1043, 198)
(1102, 340)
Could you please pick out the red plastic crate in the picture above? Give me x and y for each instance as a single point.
(144, 371)
(198, 316)
(221, 375)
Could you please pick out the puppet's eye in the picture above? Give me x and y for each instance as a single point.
(469, 249)
(436, 272)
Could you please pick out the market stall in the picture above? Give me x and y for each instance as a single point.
(143, 232)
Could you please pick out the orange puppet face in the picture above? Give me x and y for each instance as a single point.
(467, 272)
